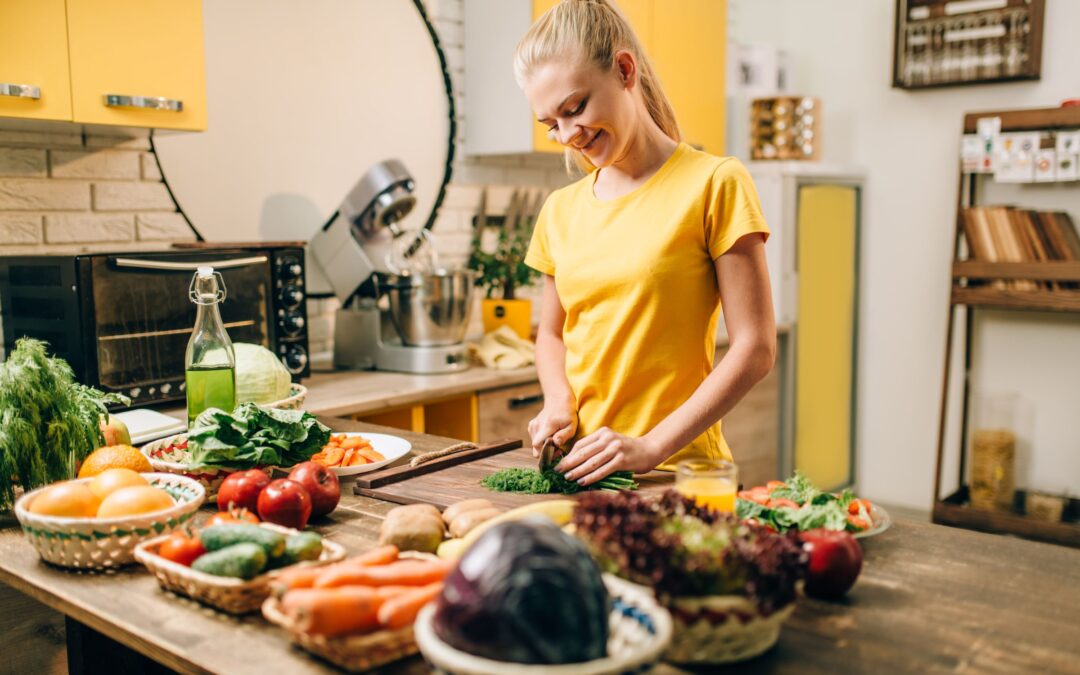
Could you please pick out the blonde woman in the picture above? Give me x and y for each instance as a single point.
(637, 257)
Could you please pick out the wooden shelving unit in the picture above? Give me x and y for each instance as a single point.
(972, 290)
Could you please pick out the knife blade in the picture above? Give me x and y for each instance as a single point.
(547, 453)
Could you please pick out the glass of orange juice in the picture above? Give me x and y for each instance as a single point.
(711, 483)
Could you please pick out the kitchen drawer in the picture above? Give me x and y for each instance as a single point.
(505, 413)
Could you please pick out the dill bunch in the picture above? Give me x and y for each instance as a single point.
(534, 482)
(48, 422)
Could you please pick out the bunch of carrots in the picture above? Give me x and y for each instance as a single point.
(370, 592)
(344, 451)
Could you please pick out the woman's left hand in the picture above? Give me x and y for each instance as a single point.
(604, 452)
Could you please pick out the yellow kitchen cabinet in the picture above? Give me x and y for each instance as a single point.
(451, 417)
(34, 78)
(137, 63)
(686, 40)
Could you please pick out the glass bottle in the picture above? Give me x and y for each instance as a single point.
(209, 362)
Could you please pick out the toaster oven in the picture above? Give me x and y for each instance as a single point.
(123, 320)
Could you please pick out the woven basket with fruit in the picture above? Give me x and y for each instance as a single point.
(728, 584)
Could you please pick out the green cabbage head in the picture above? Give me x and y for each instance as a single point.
(261, 377)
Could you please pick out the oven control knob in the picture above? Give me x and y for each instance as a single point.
(295, 358)
(292, 323)
(291, 296)
(135, 393)
(166, 388)
(291, 270)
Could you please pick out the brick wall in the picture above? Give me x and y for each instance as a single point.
(66, 187)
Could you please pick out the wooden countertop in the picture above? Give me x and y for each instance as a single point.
(930, 599)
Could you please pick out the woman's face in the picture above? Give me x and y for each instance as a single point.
(585, 108)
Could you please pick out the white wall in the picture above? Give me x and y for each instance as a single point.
(840, 50)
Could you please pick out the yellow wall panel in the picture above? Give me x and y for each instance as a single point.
(824, 351)
(34, 51)
(150, 48)
(688, 45)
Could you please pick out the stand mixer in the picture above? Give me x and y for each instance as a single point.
(399, 310)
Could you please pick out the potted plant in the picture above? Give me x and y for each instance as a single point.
(501, 271)
(728, 584)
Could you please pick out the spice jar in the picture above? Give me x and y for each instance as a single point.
(993, 452)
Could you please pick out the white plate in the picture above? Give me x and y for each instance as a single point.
(391, 447)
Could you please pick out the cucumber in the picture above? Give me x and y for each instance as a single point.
(299, 547)
(218, 537)
(243, 561)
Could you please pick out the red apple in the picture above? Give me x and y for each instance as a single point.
(321, 484)
(241, 489)
(285, 502)
(835, 562)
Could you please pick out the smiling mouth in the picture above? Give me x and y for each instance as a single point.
(590, 143)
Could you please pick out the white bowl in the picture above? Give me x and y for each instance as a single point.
(640, 632)
(99, 543)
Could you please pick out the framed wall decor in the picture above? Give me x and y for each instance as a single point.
(941, 43)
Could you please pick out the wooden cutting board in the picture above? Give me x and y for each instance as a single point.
(453, 484)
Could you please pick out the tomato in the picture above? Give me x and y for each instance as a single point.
(773, 484)
(858, 523)
(853, 507)
(232, 517)
(759, 497)
(782, 503)
(746, 494)
(181, 548)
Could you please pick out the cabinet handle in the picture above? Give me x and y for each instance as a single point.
(524, 401)
(145, 102)
(20, 90)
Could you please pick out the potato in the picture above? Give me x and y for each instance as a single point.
(453, 510)
(467, 520)
(415, 508)
(412, 529)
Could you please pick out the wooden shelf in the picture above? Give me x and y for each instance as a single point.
(954, 510)
(1027, 120)
(1003, 298)
(1036, 271)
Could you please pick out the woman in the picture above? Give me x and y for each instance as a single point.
(636, 257)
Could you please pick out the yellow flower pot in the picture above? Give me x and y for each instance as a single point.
(514, 313)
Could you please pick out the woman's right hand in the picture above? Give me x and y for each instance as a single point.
(558, 422)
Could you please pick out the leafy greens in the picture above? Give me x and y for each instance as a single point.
(48, 422)
(815, 508)
(255, 436)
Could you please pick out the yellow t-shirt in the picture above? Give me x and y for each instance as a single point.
(636, 277)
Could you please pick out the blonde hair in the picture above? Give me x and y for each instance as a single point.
(594, 30)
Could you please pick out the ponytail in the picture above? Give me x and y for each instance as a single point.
(595, 30)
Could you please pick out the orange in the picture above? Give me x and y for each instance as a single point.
(111, 480)
(134, 500)
(114, 457)
(68, 499)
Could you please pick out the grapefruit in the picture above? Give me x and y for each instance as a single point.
(68, 499)
(134, 500)
(114, 457)
(111, 480)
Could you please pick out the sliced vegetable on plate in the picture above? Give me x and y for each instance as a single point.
(797, 504)
(351, 452)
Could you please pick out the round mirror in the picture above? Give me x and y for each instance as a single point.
(303, 98)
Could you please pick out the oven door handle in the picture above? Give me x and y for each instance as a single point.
(188, 266)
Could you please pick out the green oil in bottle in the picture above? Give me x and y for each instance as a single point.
(210, 388)
(209, 362)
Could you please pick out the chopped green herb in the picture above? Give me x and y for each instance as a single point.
(532, 481)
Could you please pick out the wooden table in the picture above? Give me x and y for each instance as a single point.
(931, 599)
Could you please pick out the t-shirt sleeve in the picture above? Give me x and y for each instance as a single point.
(538, 256)
(733, 208)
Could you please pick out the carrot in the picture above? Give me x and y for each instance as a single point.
(782, 503)
(400, 573)
(301, 577)
(401, 611)
(773, 484)
(371, 454)
(858, 523)
(382, 555)
(384, 593)
(347, 459)
(354, 442)
(333, 611)
(334, 455)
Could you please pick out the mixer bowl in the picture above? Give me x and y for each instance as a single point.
(430, 310)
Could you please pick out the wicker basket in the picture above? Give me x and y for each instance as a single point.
(101, 543)
(210, 478)
(640, 631)
(354, 653)
(235, 596)
(722, 629)
(295, 400)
